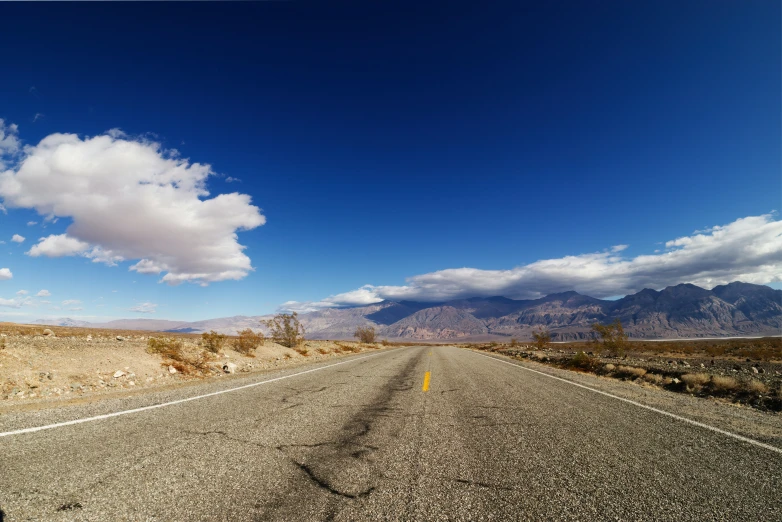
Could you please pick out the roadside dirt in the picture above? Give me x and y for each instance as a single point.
(754, 381)
(74, 363)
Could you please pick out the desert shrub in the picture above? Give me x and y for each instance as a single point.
(609, 368)
(285, 329)
(582, 361)
(348, 348)
(171, 348)
(542, 338)
(724, 383)
(174, 354)
(385, 342)
(513, 342)
(757, 387)
(247, 341)
(613, 336)
(630, 372)
(322, 351)
(365, 334)
(213, 341)
(654, 378)
(695, 380)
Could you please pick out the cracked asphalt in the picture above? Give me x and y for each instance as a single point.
(363, 441)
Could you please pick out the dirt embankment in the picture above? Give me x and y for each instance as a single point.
(69, 363)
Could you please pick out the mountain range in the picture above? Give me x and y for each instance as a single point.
(681, 311)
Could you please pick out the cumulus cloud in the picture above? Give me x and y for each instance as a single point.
(16, 302)
(31, 223)
(71, 302)
(129, 199)
(144, 308)
(43, 293)
(22, 292)
(748, 249)
(5, 273)
(16, 238)
(9, 142)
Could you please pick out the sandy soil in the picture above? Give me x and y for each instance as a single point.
(75, 362)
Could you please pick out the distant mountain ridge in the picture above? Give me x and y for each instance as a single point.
(681, 311)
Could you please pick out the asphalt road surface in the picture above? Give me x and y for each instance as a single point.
(371, 437)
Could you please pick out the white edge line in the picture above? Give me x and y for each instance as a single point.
(171, 403)
(644, 406)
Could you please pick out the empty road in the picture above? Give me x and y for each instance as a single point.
(417, 433)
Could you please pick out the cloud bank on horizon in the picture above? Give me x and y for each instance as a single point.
(748, 249)
(128, 199)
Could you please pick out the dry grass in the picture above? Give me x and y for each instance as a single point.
(345, 347)
(323, 351)
(724, 383)
(756, 387)
(584, 362)
(630, 372)
(695, 380)
(654, 378)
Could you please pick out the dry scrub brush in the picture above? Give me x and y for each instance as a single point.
(213, 341)
(175, 355)
(247, 342)
(286, 330)
(365, 334)
(695, 380)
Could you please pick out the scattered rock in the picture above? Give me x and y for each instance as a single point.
(229, 367)
(755, 370)
(89, 338)
(48, 333)
(676, 381)
(703, 365)
(120, 338)
(118, 374)
(171, 369)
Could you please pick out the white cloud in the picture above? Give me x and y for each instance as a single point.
(22, 292)
(129, 199)
(37, 117)
(748, 249)
(43, 301)
(5, 274)
(71, 302)
(618, 248)
(9, 143)
(144, 308)
(31, 223)
(16, 302)
(229, 179)
(17, 238)
(58, 246)
(43, 293)
(76, 309)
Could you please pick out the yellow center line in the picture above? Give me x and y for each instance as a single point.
(427, 376)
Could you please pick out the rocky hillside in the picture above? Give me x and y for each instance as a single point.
(681, 311)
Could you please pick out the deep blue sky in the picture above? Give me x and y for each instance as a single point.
(384, 141)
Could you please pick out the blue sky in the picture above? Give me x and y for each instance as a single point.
(386, 142)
